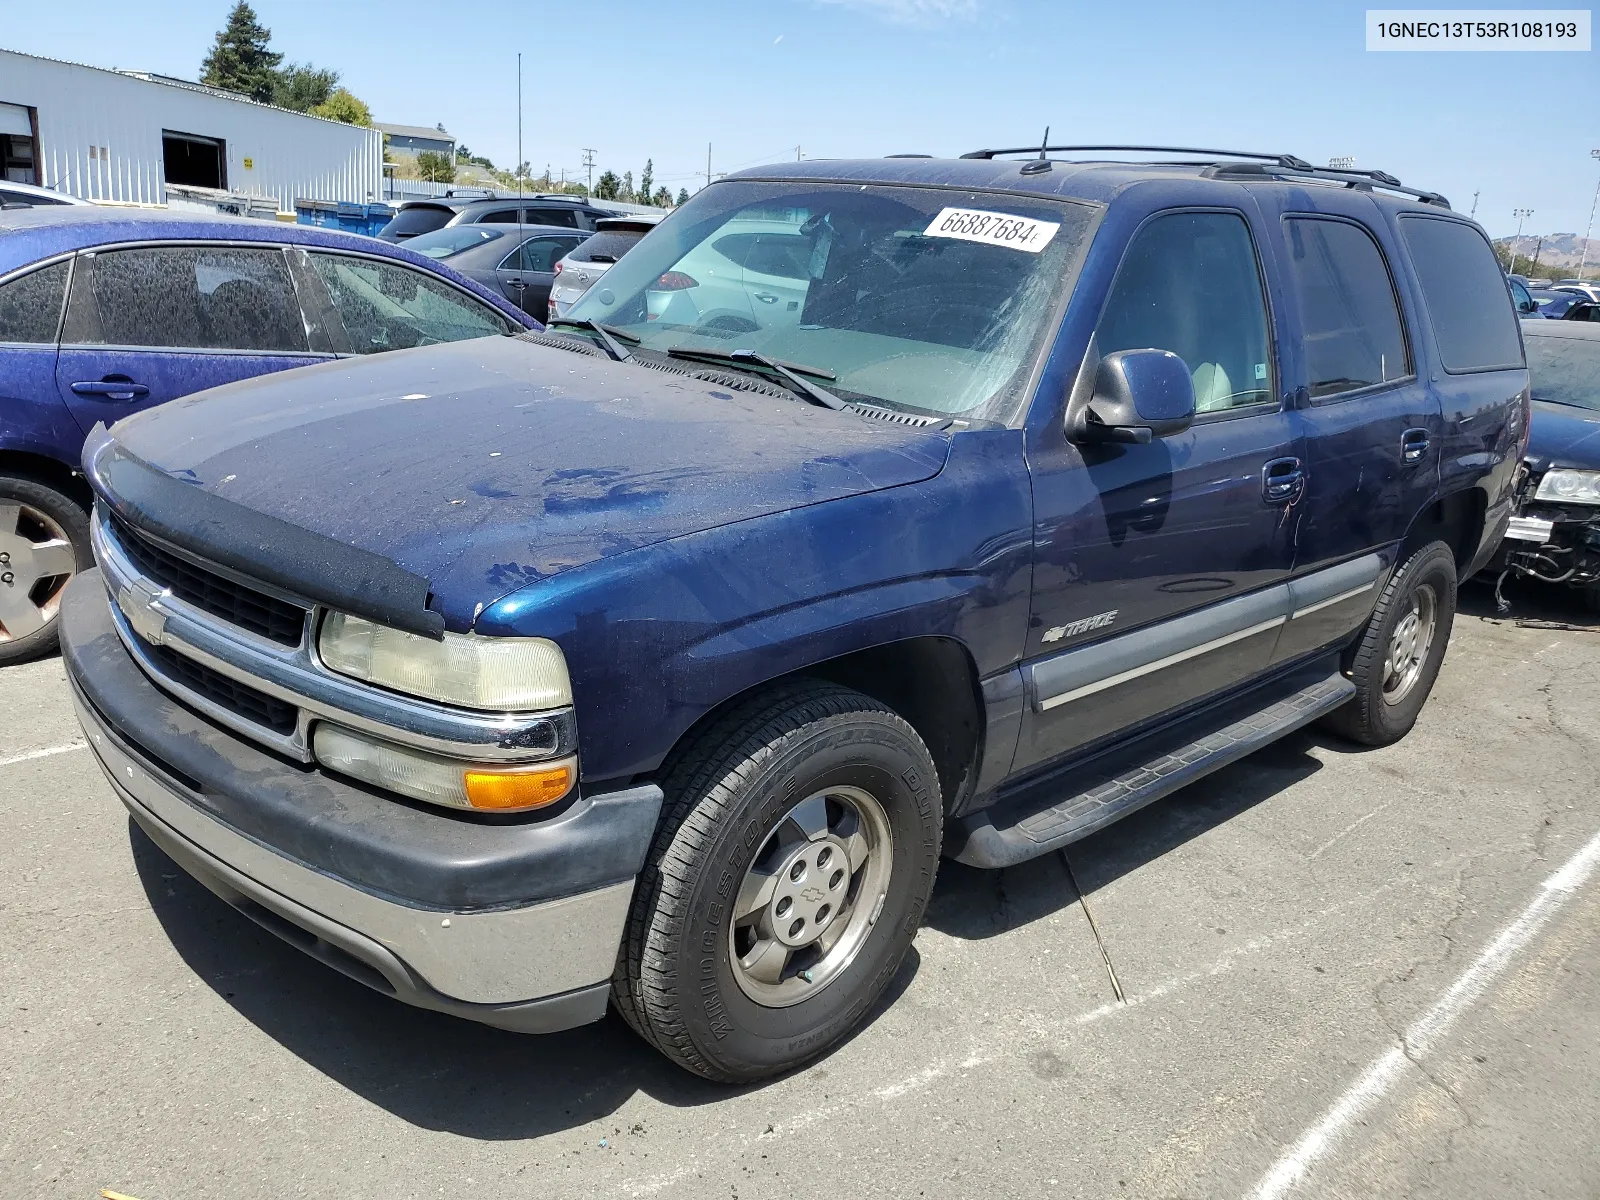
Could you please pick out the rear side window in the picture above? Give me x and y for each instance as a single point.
(30, 307)
(1469, 308)
(500, 216)
(1189, 283)
(786, 256)
(553, 216)
(202, 297)
(1351, 323)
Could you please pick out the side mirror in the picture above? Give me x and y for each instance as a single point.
(1138, 395)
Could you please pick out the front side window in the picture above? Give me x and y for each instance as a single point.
(553, 216)
(1471, 315)
(197, 297)
(385, 306)
(925, 299)
(1189, 283)
(1348, 315)
(30, 307)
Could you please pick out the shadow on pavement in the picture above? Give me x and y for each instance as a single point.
(1533, 604)
(435, 1071)
(972, 903)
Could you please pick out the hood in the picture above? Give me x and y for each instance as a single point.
(1563, 436)
(487, 465)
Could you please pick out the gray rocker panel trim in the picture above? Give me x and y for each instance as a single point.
(1083, 671)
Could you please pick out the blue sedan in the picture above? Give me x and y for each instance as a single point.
(106, 312)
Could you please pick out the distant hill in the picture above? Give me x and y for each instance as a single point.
(1553, 249)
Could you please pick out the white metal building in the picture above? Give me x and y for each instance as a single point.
(123, 136)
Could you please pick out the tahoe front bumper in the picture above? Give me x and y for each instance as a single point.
(513, 923)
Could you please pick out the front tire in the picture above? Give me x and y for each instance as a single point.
(785, 885)
(1395, 663)
(44, 542)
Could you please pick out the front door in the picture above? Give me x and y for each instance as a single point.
(527, 273)
(148, 324)
(1155, 566)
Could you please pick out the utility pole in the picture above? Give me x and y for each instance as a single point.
(1583, 257)
(1521, 214)
(797, 154)
(708, 164)
(588, 165)
(1474, 213)
(1537, 250)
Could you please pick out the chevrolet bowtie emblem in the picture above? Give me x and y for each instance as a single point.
(141, 606)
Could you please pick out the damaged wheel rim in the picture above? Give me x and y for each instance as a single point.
(36, 563)
(1409, 645)
(808, 900)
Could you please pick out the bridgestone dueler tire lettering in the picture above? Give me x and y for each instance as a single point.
(1368, 718)
(724, 794)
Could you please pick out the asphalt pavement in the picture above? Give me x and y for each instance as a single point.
(1322, 972)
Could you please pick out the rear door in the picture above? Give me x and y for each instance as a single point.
(526, 274)
(32, 416)
(147, 324)
(1369, 421)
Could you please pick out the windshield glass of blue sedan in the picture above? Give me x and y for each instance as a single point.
(1565, 370)
(929, 300)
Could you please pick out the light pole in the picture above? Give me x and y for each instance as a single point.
(1583, 258)
(1521, 214)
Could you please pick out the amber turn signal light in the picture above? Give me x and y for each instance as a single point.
(511, 791)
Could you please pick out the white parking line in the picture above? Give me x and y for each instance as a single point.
(46, 753)
(1422, 1034)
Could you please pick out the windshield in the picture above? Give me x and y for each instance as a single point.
(442, 243)
(1565, 370)
(923, 299)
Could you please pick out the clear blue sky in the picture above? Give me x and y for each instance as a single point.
(756, 78)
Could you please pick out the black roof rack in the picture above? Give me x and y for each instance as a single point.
(1271, 166)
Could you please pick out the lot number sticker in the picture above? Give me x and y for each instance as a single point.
(992, 229)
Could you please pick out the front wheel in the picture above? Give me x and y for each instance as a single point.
(1395, 663)
(44, 542)
(788, 879)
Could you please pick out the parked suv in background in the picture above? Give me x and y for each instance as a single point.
(104, 312)
(577, 272)
(424, 216)
(661, 661)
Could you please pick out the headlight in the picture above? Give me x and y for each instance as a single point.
(1570, 487)
(440, 780)
(498, 674)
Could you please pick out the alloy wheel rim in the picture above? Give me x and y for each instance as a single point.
(810, 896)
(1409, 645)
(36, 563)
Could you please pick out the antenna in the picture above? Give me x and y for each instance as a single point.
(519, 134)
(1041, 164)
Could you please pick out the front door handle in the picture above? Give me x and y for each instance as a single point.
(112, 387)
(765, 297)
(1413, 446)
(1282, 480)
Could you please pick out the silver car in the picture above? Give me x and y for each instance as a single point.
(576, 273)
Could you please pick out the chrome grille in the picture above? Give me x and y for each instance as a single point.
(264, 615)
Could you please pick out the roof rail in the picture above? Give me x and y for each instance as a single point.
(1272, 166)
(1285, 160)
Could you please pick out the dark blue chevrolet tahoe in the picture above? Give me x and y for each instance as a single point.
(865, 512)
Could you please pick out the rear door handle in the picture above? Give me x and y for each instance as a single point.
(1413, 446)
(112, 388)
(1282, 480)
(765, 297)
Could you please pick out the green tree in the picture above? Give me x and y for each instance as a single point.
(662, 198)
(302, 87)
(608, 186)
(239, 60)
(626, 194)
(437, 167)
(683, 195)
(647, 181)
(341, 105)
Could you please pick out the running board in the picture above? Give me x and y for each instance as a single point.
(1039, 818)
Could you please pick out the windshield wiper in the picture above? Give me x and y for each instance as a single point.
(607, 334)
(789, 372)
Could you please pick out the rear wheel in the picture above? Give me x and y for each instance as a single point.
(44, 542)
(785, 885)
(1395, 663)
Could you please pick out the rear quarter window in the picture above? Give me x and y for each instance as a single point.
(1469, 308)
(30, 307)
